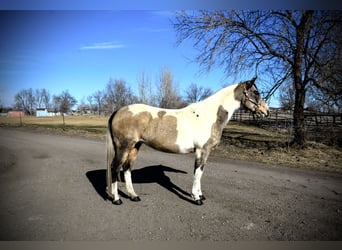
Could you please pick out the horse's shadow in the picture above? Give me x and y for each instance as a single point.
(149, 174)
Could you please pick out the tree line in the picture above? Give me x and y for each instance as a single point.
(163, 93)
(29, 100)
(117, 93)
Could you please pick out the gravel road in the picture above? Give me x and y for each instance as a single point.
(53, 188)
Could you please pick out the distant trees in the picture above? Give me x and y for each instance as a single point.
(98, 97)
(25, 100)
(163, 91)
(167, 91)
(42, 98)
(287, 97)
(146, 91)
(119, 94)
(115, 95)
(64, 102)
(195, 93)
(29, 99)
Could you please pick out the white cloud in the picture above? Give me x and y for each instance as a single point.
(104, 45)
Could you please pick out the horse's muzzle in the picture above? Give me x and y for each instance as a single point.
(267, 113)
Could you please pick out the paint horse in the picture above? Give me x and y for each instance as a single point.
(195, 128)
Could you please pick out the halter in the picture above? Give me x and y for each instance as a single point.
(249, 99)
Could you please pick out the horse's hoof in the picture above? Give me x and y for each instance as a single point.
(117, 202)
(136, 198)
(199, 202)
(202, 198)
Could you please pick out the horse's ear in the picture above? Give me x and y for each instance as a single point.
(250, 83)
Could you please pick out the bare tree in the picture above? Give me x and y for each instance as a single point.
(42, 98)
(82, 106)
(99, 98)
(195, 93)
(25, 100)
(64, 102)
(296, 45)
(45, 96)
(286, 97)
(38, 98)
(167, 94)
(321, 101)
(90, 99)
(146, 92)
(118, 94)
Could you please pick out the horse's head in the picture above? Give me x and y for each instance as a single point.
(251, 98)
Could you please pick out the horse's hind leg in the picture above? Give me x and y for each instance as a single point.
(119, 159)
(132, 155)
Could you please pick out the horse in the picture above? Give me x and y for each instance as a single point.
(196, 128)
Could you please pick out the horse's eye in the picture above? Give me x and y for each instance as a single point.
(256, 92)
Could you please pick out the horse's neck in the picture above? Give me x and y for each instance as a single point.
(224, 97)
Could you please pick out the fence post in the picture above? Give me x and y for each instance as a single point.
(21, 122)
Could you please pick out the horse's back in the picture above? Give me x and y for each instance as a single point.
(156, 127)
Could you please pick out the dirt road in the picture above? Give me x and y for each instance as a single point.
(53, 188)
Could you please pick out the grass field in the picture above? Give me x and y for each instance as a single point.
(56, 121)
(89, 126)
(242, 142)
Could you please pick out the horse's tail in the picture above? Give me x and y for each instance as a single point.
(110, 155)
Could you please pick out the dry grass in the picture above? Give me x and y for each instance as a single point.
(86, 126)
(240, 142)
(57, 121)
(316, 156)
(257, 144)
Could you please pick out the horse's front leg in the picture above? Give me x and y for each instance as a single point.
(127, 172)
(201, 158)
(129, 186)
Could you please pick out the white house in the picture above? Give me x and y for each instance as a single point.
(41, 112)
(45, 112)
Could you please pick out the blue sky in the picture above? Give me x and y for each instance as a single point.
(80, 51)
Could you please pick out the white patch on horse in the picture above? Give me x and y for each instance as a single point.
(129, 185)
(139, 108)
(114, 191)
(185, 134)
(202, 126)
(196, 187)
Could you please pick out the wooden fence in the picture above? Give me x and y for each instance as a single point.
(319, 127)
(284, 118)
